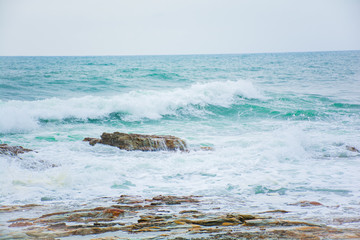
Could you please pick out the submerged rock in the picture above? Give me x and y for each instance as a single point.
(206, 148)
(13, 208)
(12, 150)
(141, 142)
(172, 200)
(307, 203)
(352, 149)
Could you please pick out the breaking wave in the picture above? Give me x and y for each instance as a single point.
(137, 105)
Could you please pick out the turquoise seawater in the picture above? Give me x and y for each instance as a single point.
(279, 125)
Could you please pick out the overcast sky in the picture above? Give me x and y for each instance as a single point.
(133, 27)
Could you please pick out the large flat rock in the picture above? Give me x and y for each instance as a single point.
(140, 142)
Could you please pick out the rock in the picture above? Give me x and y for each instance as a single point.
(92, 141)
(307, 203)
(17, 207)
(172, 200)
(21, 224)
(141, 142)
(113, 212)
(352, 149)
(206, 148)
(216, 221)
(126, 220)
(12, 150)
(277, 222)
(189, 211)
(275, 211)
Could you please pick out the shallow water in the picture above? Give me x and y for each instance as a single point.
(279, 125)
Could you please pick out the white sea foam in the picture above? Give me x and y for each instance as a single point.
(274, 167)
(20, 116)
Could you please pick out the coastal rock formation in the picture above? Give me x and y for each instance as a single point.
(162, 217)
(141, 142)
(12, 150)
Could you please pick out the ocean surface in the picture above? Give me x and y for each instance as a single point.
(279, 124)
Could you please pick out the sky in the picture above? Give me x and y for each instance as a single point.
(157, 27)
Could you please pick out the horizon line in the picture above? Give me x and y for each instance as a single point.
(178, 54)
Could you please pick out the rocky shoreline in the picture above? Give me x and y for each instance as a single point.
(160, 217)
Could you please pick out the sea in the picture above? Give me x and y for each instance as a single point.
(278, 125)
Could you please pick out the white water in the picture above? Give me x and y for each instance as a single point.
(24, 115)
(280, 165)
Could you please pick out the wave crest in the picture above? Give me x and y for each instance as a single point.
(137, 105)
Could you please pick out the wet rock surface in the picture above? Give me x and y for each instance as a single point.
(161, 217)
(140, 142)
(12, 150)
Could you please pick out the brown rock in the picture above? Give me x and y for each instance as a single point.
(277, 222)
(17, 207)
(141, 142)
(275, 211)
(57, 226)
(20, 224)
(352, 149)
(142, 219)
(215, 221)
(189, 211)
(113, 212)
(12, 150)
(92, 141)
(207, 148)
(307, 203)
(172, 200)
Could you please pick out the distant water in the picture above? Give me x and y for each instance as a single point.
(279, 124)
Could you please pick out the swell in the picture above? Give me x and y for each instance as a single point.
(213, 100)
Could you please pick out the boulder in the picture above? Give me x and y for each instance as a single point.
(140, 142)
(12, 150)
